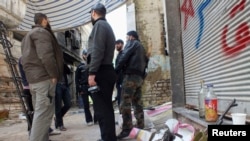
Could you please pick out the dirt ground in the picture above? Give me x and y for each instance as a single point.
(74, 120)
(77, 130)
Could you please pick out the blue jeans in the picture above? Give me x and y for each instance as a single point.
(62, 95)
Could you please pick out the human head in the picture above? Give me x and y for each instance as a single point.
(119, 44)
(132, 35)
(84, 54)
(97, 11)
(41, 19)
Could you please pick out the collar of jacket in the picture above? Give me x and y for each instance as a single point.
(102, 18)
(37, 25)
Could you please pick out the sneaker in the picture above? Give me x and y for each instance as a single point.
(90, 123)
(54, 132)
(62, 128)
(124, 134)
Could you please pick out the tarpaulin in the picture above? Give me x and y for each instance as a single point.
(64, 14)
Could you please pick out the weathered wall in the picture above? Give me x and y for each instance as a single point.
(5, 73)
(11, 15)
(149, 17)
(12, 12)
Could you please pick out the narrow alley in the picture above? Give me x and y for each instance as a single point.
(77, 129)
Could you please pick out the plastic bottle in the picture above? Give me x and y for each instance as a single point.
(201, 98)
(211, 114)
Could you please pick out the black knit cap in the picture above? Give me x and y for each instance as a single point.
(99, 7)
(134, 34)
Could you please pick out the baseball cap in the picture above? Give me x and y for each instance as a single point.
(99, 7)
(84, 52)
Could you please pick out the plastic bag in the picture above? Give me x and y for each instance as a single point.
(182, 131)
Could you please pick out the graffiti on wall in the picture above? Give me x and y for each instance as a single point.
(188, 10)
(242, 33)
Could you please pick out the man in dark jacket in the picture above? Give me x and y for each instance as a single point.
(135, 61)
(119, 47)
(81, 79)
(42, 60)
(101, 47)
(62, 95)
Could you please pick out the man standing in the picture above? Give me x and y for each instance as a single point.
(101, 71)
(28, 98)
(81, 79)
(42, 60)
(135, 60)
(119, 46)
(62, 95)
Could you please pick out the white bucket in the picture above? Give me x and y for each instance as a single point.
(239, 118)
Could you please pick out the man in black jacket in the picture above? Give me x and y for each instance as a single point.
(81, 79)
(135, 61)
(62, 95)
(119, 47)
(101, 47)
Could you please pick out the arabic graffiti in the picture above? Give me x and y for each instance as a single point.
(242, 34)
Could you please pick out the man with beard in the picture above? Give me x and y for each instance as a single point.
(101, 49)
(119, 46)
(42, 61)
(133, 61)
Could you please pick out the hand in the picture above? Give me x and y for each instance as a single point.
(81, 93)
(91, 80)
(54, 80)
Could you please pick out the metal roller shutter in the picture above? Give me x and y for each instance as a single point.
(216, 48)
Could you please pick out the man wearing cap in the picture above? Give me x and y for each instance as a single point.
(134, 60)
(81, 80)
(42, 60)
(101, 48)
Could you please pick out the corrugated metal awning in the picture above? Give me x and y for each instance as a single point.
(64, 14)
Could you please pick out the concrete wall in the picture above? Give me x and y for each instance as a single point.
(149, 18)
(12, 12)
(5, 73)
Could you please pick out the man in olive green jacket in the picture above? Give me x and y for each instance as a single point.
(43, 66)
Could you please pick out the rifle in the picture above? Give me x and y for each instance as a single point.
(220, 119)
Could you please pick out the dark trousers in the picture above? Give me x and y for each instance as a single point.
(62, 95)
(28, 102)
(103, 106)
(118, 95)
(88, 115)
